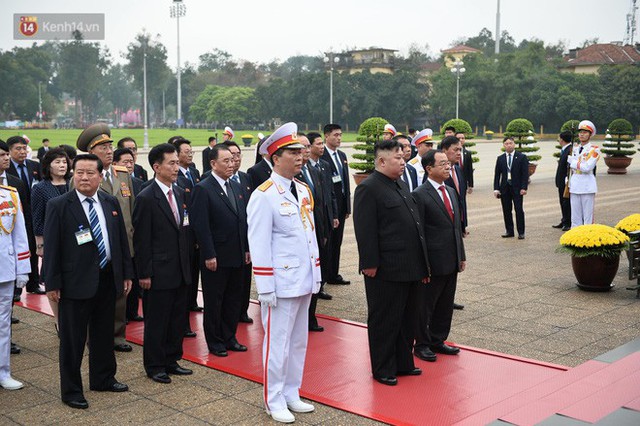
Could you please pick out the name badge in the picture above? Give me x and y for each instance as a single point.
(508, 175)
(185, 219)
(336, 178)
(83, 236)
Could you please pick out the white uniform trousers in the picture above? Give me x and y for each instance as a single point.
(6, 296)
(286, 332)
(582, 206)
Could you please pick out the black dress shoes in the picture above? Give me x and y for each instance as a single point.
(425, 354)
(14, 320)
(236, 347)
(558, 226)
(324, 295)
(16, 297)
(179, 371)
(160, 378)
(190, 333)
(80, 403)
(36, 291)
(196, 308)
(507, 235)
(122, 347)
(521, 237)
(246, 319)
(389, 381)
(219, 352)
(458, 306)
(15, 349)
(340, 281)
(114, 387)
(316, 328)
(415, 372)
(445, 349)
(566, 228)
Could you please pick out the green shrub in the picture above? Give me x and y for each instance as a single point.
(571, 126)
(521, 130)
(462, 126)
(619, 136)
(369, 132)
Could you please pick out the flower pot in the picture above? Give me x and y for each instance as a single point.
(595, 273)
(359, 177)
(247, 141)
(532, 168)
(617, 165)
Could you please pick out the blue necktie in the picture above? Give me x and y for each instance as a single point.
(307, 177)
(190, 177)
(339, 166)
(97, 233)
(236, 179)
(24, 175)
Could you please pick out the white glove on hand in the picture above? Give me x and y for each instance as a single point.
(268, 299)
(22, 280)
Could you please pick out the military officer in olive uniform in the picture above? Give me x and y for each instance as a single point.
(116, 181)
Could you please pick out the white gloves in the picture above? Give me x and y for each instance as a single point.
(268, 299)
(21, 280)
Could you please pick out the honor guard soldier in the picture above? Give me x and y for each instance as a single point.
(582, 180)
(228, 134)
(14, 267)
(424, 143)
(389, 132)
(116, 181)
(286, 266)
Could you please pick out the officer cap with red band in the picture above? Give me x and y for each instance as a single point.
(424, 136)
(388, 128)
(587, 125)
(285, 136)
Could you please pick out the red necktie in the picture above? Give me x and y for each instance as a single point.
(454, 175)
(447, 203)
(172, 204)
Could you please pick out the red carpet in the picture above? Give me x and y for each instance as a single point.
(453, 389)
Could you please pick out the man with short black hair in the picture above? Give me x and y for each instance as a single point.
(449, 131)
(206, 166)
(43, 149)
(510, 183)
(562, 172)
(410, 174)
(138, 170)
(161, 220)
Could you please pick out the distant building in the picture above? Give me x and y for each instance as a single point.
(587, 60)
(374, 59)
(457, 53)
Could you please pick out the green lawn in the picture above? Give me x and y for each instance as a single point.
(197, 137)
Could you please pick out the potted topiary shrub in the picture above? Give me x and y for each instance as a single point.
(369, 133)
(521, 130)
(616, 146)
(463, 126)
(595, 254)
(571, 126)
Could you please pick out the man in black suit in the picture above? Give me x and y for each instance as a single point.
(564, 139)
(453, 149)
(510, 183)
(160, 223)
(43, 149)
(330, 205)
(341, 186)
(218, 215)
(188, 178)
(410, 175)
(138, 170)
(206, 166)
(260, 171)
(393, 259)
(28, 171)
(466, 162)
(442, 226)
(246, 185)
(86, 263)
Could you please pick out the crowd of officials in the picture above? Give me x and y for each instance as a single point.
(110, 236)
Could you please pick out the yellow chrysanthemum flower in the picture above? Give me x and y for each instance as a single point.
(590, 236)
(630, 223)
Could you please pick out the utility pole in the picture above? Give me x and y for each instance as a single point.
(497, 49)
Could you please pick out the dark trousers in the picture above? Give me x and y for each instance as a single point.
(333, 253)
(192, 297)
(324, 267)
(163, 328)
(222, 291)
(435, 310)
(565, 208)
(246, 288)
(133, 298)
(75, 318)
(511, 197)
(391, 319)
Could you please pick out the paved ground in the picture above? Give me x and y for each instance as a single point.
(520, 299)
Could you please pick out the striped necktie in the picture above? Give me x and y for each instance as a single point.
(97, 233)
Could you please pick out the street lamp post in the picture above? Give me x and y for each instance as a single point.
(458, 69)
(144, 84)
(39, 102)
(331, 59)
(178, 10)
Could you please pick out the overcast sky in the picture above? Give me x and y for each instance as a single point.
(260, 31)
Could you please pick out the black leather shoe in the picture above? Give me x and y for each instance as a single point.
(458, 306)
(566, 228)
(190, 333)
(340, 281)
(415, 372)
(122, 347)
(389, 381)
(316, 328)
(443, 348)
(425, 354)
(196, 308)
(137, 318)
(161, 378)
(37, 291)
(324, 295)
(114, 387)
(15, 349)
(521, 237)
(558, 226)
(219, 352)
(16, 297)
(507, 235)
(236, 347)
(15, 320)
(179, 371)
(246, 319)
(81, 403)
